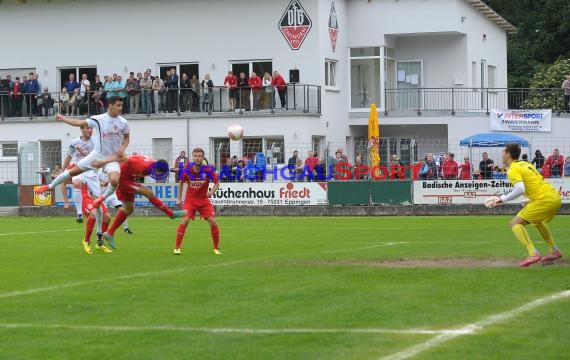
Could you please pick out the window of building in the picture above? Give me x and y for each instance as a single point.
(491, 76)
(221, 151)
(78, 72)
(365, 77)
(474, 75)
(331, 74)
(272, 146)
(260, 67)
(9, 149)
(181, 68)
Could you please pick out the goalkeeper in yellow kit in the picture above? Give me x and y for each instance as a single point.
(544, 202)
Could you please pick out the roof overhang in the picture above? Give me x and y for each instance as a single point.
(493, 16)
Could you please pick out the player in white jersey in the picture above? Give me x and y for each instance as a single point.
(110, 137)
(78, 149)
(113, 201)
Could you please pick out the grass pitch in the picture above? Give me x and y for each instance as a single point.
(284, 288)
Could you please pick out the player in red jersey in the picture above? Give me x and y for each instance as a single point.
(90, 215)
(135, 167)
(198, 198)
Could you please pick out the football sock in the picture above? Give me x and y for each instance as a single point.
(105, 224)
(78, 200)
(215, 235)
(99, 219)
(160, 205)
(89, 229)
(544, 231)
(63, 177)
(125, 224)
(522, 236)
(108, 191)
(121, 216)
(180, 235)
(99, 239)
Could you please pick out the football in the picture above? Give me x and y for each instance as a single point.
(235, 132)
(490, 202)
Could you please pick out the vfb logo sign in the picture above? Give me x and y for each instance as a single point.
(295, 24)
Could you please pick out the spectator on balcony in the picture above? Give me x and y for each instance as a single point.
(97, 83)
(145, 85)
(121, 89)
(281, 87)
(449, 167)
(17, 95)
(171, 84)
(207, 93)
(255, 85)
(556, 163)
(83, 85)
(486, 167)
(132, 87)
(71, 84)
(74, 102)
(243, 86)
(567, 167)
(269, 94)
(5, 89)
(185, 93)
(97, 101)
(159, 92)
(32, 90)
(63, 101)
(465, 169)
(230, 82)
(45, 102)
(538, 160)
(195, 93)
(566, 87)
(110, 86)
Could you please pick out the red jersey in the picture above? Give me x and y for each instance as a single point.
(231, 80)
(87, 200)
(279, 82)
(198, 183)
(255, 82)
(449, 169)
(136, 166)
(465, 171)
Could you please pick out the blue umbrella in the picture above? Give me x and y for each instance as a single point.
(492, 140)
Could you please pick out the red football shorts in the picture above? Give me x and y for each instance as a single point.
(204, 206)
(127, 189)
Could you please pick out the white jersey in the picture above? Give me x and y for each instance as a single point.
(78, 149)
(108, 133)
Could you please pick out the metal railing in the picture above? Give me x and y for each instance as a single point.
(453, 100)
(300, 98)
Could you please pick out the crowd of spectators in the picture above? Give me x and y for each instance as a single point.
(142, 93)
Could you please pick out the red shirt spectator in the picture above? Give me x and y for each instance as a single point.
(555, 162)
(278, 82)
(231, 81)
(465, 170)
(255, 82)
(449, 168)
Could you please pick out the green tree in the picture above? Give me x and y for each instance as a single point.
(543, 36)
(546, 85)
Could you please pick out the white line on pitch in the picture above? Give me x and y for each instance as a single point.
(40, 232)
(170, 271)
(476, 327)
(230, 330)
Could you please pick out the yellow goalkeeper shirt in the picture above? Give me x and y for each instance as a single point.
(535, 185)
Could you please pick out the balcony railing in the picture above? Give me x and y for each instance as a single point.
(453, 100)
(295, 98)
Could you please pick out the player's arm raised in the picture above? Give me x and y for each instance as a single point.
(71, 121)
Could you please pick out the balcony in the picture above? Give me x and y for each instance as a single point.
(470, 100)
(298, 99)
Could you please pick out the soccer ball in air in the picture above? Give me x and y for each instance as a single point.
(491, 202)
(235, 132)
